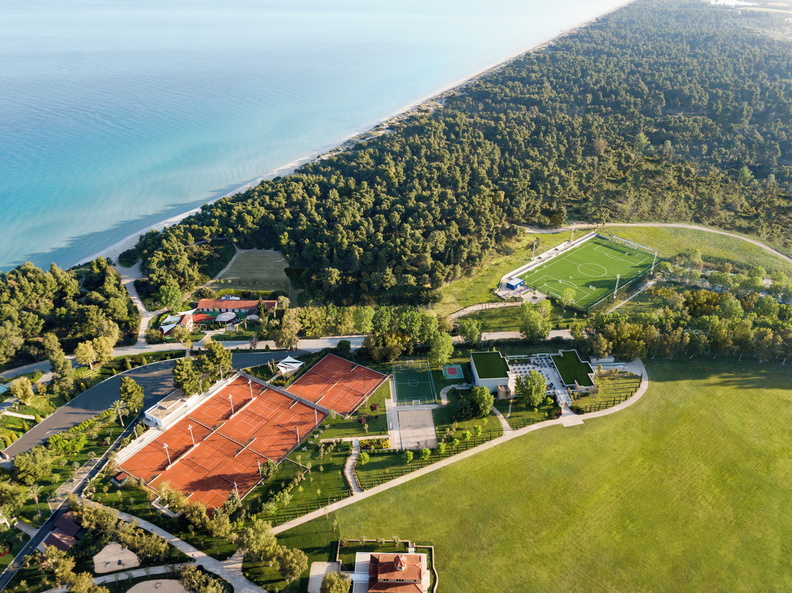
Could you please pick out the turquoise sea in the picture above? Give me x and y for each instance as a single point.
(116, 114)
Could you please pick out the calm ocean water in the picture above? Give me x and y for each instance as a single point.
(115, 114)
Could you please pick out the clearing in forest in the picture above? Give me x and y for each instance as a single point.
(589, 271)
(257, 269)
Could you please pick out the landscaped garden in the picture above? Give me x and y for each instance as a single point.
(684, 491)
(613, 387)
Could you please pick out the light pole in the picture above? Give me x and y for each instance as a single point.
(297, 430)
(231, 401)
(615, 290)
(250, 386)
(189, 427)
(167, 453)
(653, 263)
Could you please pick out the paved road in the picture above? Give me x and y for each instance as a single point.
(31, 545)
(156, 380)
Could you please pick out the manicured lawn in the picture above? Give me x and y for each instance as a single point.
(480, 286)
(611, 389)
(444, 420)
(714, 247)
(341, 427)
(518, 415)
(685, 491)
(572, 369)
(256, 270)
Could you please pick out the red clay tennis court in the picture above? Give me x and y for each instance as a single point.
(218, 446)
(337, 384)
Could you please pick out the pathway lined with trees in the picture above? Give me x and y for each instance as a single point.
(636, 367)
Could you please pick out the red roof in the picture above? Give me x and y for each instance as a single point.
(60, 540)
(66, 524)
(396, 573)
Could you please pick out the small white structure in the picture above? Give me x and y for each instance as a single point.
(289, 365)
(114, 557)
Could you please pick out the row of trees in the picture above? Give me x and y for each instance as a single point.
(255, 537)
(77, 305)
(697, 323)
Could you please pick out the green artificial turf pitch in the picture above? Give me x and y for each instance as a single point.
(413, 383)
(590, 270)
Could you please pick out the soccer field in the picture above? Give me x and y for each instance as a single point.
(413, 381)
(590, 270)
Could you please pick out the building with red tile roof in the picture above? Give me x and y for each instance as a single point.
(397, 573)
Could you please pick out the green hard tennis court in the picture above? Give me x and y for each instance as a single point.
(414, 383)
(590, 270)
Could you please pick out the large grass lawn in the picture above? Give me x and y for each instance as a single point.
(257, 269)
(687, 490)
(714, 247)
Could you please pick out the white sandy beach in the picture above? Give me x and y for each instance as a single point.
(114, 250)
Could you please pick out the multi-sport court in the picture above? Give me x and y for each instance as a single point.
(219, 445)
(413, 381)
(590, 269)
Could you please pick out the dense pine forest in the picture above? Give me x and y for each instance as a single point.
(667, 110)
(71, 306)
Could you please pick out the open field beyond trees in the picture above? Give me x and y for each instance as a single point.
(687, 490)
(257, 269)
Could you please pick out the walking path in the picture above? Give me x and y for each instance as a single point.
(127, 574)
(502, 419)
(633, 295)
(128, 277)
(482, 307)
(230, 570)
(564, 334)
(349, 468)
(636, 367)
(677, 225)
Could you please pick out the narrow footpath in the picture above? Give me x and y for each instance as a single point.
(636, 367)
(349, 468)
(230, 570)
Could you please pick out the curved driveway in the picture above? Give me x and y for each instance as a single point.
(155, 379)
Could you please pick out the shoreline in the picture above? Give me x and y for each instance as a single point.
(113, 251)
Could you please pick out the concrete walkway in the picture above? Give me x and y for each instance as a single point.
(636, 367)
(502, 419)
(230, 570)
(349, 468)
(126, 574)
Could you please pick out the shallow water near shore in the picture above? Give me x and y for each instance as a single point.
(117, 114)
